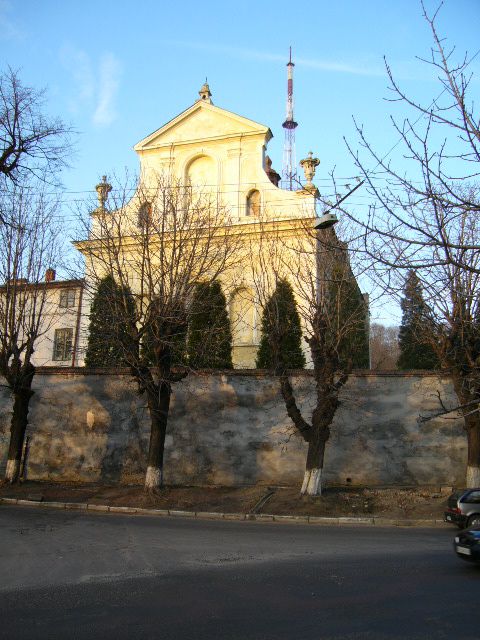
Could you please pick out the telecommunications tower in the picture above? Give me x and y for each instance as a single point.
(289, 169)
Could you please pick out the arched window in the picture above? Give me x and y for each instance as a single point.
(253, 203)
(201, 172)
(144, 214)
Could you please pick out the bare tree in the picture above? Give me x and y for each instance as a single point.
(426, 218)
(418, 210)
(384, 350)
(30, 142)
(157, 246)
(29, 244)
(334, 319)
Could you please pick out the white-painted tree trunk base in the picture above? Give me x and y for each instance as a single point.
(473, 476)
(153, 477)
(312, 483)
(12, 471)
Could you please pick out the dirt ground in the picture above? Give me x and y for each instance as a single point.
(335, 501)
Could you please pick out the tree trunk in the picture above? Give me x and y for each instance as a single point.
(472, 424)
(18, 427)
(312, 480)
(158, 405)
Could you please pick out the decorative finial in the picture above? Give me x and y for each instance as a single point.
(309, 164)
(204, 93)
(103, 189)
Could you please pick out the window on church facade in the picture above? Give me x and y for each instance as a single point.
(201, 172)
(253, 203)
(144, 214)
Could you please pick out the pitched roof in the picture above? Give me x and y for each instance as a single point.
(184, 127)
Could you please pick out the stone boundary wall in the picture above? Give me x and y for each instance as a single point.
(230, 428)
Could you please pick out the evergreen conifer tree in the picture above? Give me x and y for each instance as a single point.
(109, 338)
(173, 333)
(417, 328)
(280, 342)
(209, 341)
(349, 312)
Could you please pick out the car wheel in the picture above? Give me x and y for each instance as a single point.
(474, 521)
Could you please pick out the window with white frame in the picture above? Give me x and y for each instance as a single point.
(62, 344)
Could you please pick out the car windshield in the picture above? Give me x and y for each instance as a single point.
(472, 497)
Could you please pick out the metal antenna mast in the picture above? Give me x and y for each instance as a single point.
(289, 169)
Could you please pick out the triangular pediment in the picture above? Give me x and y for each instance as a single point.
(202, 121)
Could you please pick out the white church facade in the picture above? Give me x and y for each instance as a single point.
(225, 154)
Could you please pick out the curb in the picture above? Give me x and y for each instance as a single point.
(213, 515)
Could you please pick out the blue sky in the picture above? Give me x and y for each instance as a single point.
(117, 71)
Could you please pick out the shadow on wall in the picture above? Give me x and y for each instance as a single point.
(123, 458)
(86, 428)
(5, 417)
(223, 432)
(281, 451)
(199, 438)
(233, 429)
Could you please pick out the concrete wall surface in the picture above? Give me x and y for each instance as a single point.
(232, 428)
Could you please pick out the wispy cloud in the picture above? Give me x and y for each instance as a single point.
(109, 74)
(80, 67)
(8, 29)
(95, 85)
(265, 56)
(340, 67)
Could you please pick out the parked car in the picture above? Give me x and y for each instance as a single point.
(463, 508)
(467, 545)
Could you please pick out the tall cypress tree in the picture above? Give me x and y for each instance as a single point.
(112, 310)
(280, 342)
(170, 335)
(209, 341)
(348, 312)
(417, 328)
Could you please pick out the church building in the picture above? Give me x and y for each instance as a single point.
(225, 154)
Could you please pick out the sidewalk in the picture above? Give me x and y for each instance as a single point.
(361, 506)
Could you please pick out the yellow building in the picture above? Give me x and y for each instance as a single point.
(224, 154)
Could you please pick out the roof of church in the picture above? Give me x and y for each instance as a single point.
(203, 103)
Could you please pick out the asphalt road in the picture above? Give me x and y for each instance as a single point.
(73, 575)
